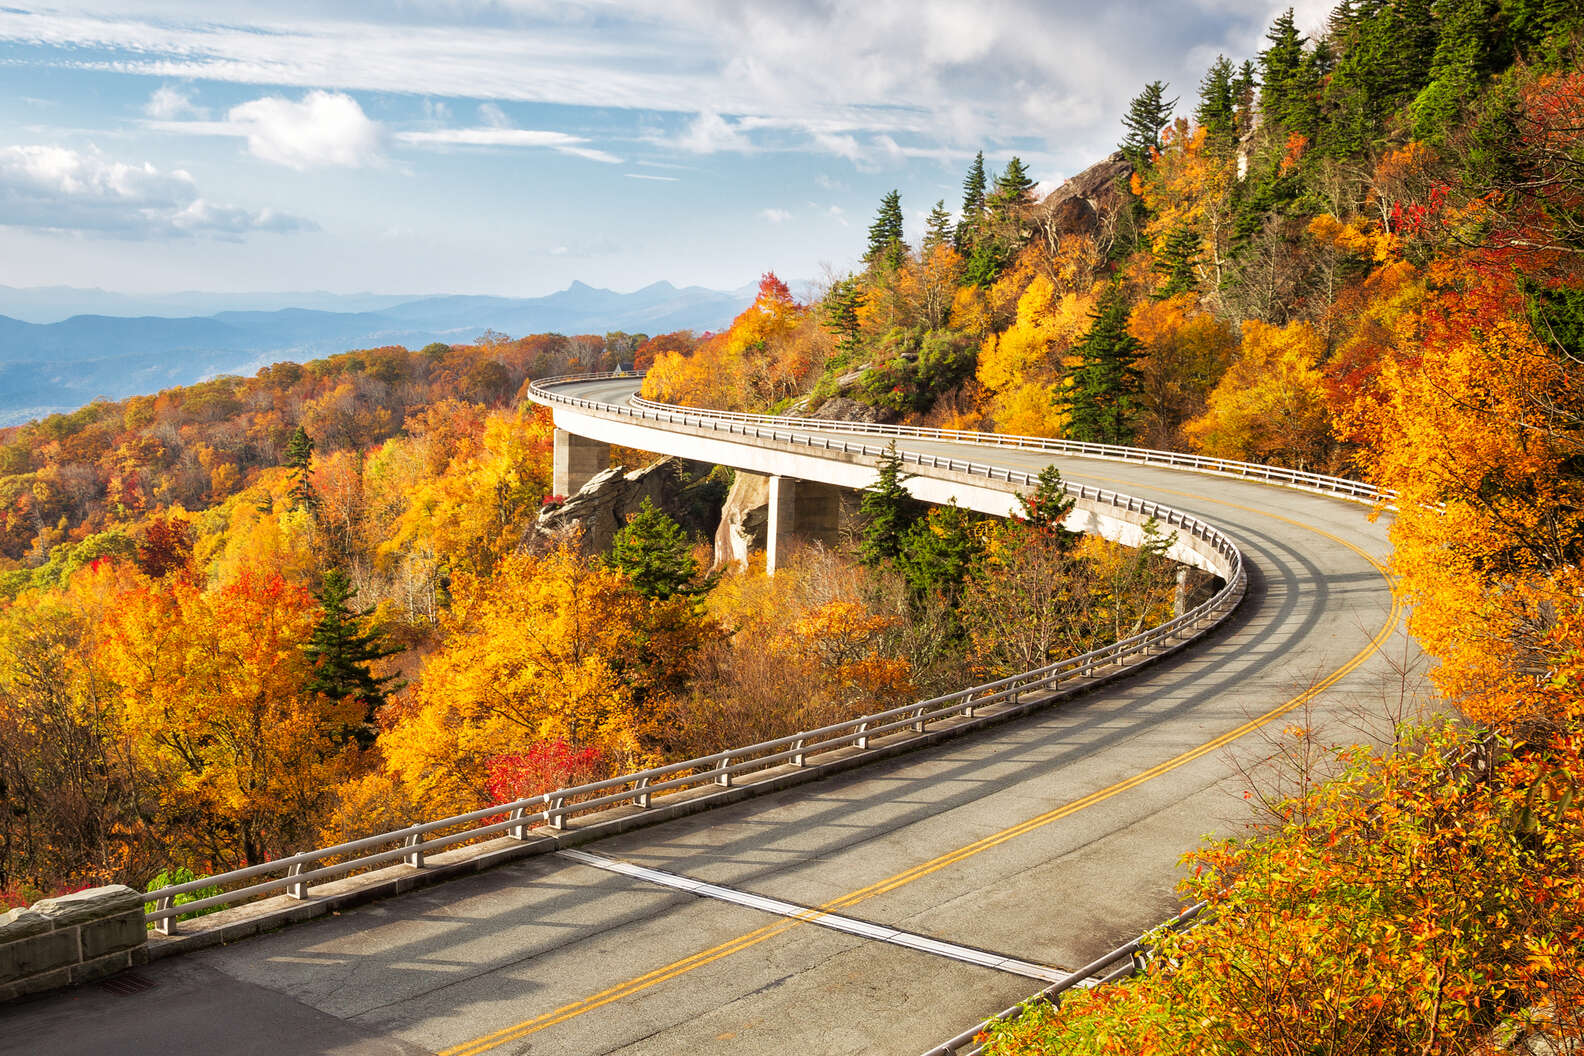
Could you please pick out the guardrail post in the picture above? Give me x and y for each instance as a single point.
(918, 723)
(520, 830)
(557, 803)
(641, 798)
(415, 856)
(724, 777)
(299, 889)
(969, 708)
(797, 758)
(167, 926)
(862, 740)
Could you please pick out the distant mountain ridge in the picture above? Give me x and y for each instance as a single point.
(57, 366)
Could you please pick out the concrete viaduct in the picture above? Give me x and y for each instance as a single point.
(878, 909)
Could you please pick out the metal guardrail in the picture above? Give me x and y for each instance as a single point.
(1318, 482)
(294, 874)
(1126, 960)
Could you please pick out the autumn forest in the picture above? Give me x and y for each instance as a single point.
(254, 615)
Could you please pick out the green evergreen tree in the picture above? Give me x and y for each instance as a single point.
(1175, 261)
(886, 248)
(973, 206)
(653, 551)
(1537, 27)
(1102, 391)
(1012, 188)
(937, 227)
(341, 647)
(1385, 52)
(939, 551)
(1244, 89)
(299, 452)
(888, 510)
(1288, 78)
(1464, 56)
(1045, 509)
(841, 306)
(1148, 113)
(1217, 109)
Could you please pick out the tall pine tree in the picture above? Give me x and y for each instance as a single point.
(1289, 79)
(1463, 57)
(888, 510)
(341, 647)
(1217, 109)
(1101, 395)
(1013, 187)
(973, 205)
(299, 452)
(1148, 113)
(886, 248)
(937, 227)
(841, 306)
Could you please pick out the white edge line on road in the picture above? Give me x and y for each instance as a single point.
(836, 922)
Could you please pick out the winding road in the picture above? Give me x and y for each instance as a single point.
(959, 877)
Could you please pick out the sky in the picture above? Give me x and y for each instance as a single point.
(510, 147)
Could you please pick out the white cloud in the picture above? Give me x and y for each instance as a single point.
(710, 133)
(939, 77)
(646, 176)
(493, 116)
(775, 216)
(58, 189)
(324, 129)
(169, 103)
(507, 137)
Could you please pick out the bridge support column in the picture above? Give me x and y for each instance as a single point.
(802, 508)
(576, 461)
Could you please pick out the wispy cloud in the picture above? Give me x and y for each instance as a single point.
(775, 216)
(507, 137)
(58, 189)
(902, 79)
(169, 103)
(646, 176)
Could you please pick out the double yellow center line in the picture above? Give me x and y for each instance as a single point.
(486, 1042)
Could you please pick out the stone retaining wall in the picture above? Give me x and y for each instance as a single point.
(71, 939)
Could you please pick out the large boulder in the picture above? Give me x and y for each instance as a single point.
(682, 490)
(847, 409)
(1081, 205)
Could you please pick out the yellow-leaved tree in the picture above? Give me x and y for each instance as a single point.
(1270, 404)
(549, 648)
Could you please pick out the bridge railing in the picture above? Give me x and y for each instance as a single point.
(1319, 482)
(1126, 960)
(295, 874)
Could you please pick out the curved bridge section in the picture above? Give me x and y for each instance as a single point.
(876, 909)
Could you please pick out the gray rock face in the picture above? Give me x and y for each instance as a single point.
(846, 409)
(600, 510)
(744, 521)
(1078, 206)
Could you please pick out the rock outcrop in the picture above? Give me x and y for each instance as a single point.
(744, 521)
(1081, 205)
(597, 512)
(847, 409)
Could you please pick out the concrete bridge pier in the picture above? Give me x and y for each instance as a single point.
(575, 461)
(806, 509)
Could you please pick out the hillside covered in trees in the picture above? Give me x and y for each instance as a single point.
(1360, 252)
(258, 614)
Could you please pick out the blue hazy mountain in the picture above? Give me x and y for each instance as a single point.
(54, 366)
